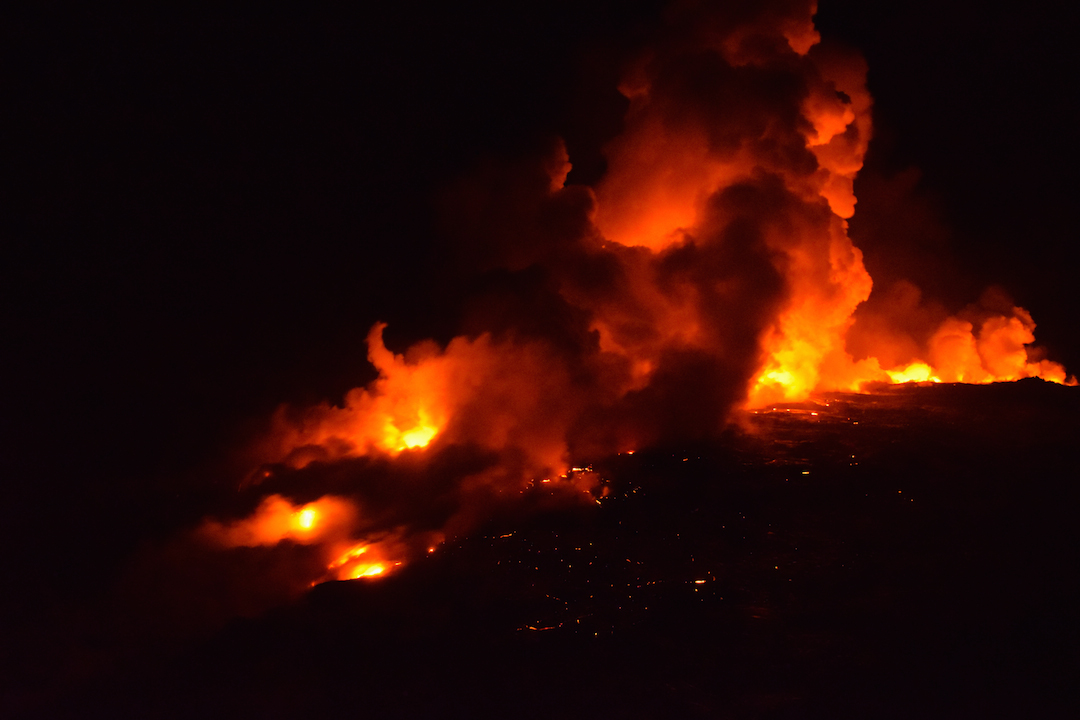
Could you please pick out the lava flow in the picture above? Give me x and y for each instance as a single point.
(709, 271)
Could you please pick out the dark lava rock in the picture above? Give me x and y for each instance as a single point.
(910, 553)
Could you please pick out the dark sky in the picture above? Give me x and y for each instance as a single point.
(210, 210)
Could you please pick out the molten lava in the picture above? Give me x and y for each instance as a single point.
(360, 561)
(328, 523)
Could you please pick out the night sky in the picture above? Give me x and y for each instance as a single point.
(207, 210)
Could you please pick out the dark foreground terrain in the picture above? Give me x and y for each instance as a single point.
(909, 554)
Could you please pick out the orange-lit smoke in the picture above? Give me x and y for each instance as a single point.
(508, 402)
(495, 395)
(710, 269)
(724, 109)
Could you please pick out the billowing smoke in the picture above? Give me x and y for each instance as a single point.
(709, 270)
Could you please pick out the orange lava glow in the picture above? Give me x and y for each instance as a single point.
(306, 518)
(327, 523)
(277, 519)
(363, 560)
(475, 390)
(403, 410)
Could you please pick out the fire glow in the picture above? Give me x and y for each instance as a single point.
(711, 266)
(327, 523)
(277, 519)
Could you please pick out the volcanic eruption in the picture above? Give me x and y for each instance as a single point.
(708, 272)
(654, 431)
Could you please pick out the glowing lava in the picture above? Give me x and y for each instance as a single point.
(276, 519)
(356, 563)
(306, 518)
(915, 372)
